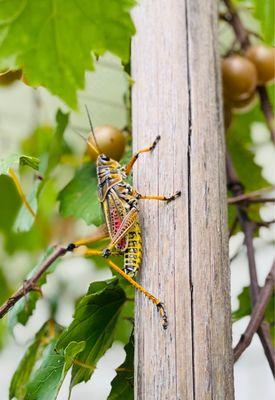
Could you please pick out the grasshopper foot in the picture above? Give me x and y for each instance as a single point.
(173, 197)
(155, 143)
(161, 310)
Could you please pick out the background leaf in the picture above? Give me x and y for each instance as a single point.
(79, 197)
(44, 43)
(123, 383)
(46, 382)
(264, 11)
(94, 322)
(22, 374)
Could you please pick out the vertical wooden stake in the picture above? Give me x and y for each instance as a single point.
(175, 66)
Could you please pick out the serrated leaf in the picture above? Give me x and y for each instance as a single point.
(15, 160)
(40, 36)
(79, 197)
(46, 382)
(94, 322)
(123, 383)
(24, 308)
(22, 374)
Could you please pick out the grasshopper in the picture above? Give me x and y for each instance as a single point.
(119, 202)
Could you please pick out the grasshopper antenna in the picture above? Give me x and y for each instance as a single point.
(79, 134)
(92, 129)
(95, 149)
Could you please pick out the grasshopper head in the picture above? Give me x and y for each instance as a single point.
(103, 160)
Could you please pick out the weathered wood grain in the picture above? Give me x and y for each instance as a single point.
(176, 94)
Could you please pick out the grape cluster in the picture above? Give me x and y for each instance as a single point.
(109, 140)
(241, 74)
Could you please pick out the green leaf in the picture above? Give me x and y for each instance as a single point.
(79, 197)
(94, 322)
(22, 374)
(38, 142)
(244, 305)
(9, 203)
(24, 308)
(5, 292)
(15, 159)
(245, 309)
(32, 162)
(46, 382)
(24, 220)
(57, 145)
(264, 11)
(53, 39)
(123, 383)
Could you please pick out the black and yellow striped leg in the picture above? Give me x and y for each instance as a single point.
(131, 163)
(160, 198)
(153, 299)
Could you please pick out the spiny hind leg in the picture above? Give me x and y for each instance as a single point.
(160, 198)
(20, 191)
(131, 163)
(153, 299)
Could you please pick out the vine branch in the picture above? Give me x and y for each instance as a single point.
(257, 314)
(30, 284)
(236, 188)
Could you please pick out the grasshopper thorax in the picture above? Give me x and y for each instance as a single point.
(109, 174)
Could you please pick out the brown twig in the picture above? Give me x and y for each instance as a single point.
(257, 314)
(265, 224)
(30, 284)
(236, 188)
(250, 195)
(231, 200)
(242, 34)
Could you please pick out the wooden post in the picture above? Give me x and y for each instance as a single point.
(175, 66)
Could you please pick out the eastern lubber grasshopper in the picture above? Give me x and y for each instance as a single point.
(119, 201)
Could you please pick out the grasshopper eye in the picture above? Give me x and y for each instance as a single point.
(105, 158)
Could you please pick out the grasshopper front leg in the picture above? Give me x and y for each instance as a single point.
(131, 163)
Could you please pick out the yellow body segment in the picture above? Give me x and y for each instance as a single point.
(133, 253)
